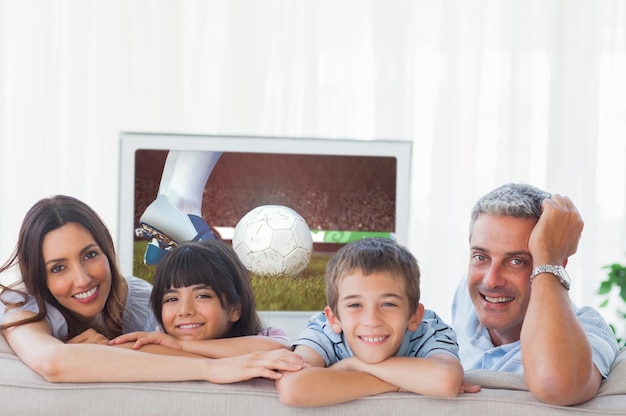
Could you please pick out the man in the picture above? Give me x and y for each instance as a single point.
(513, 312)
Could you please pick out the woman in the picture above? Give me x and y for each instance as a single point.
(72, 298)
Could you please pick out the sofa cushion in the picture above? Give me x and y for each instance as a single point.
(615, 383)
(25, 392)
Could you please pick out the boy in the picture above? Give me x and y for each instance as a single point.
(374, 336)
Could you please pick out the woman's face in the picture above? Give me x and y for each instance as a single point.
(78, 273)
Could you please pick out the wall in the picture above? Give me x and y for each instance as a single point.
(488, 91)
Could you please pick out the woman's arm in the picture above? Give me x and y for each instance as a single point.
(59, 362)
(91, 336)
(212, 348)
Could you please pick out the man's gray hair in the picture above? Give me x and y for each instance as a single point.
(513, 200)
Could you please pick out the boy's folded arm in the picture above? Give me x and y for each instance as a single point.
(320, 386)
(439, 375)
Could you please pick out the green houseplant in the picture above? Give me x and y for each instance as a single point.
(616, 277)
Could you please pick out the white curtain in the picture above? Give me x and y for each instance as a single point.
(490, 91)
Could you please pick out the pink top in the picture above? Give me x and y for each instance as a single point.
(276, 333)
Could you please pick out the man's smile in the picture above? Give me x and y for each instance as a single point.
(499, 299)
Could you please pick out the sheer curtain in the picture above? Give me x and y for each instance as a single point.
(489, 91)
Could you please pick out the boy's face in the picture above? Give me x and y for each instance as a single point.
(373, 313)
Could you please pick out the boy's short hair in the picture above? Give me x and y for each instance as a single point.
(373, 254)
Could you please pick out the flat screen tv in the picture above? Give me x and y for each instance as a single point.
(344, 189)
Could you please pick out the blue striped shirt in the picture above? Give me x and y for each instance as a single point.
(433, 336)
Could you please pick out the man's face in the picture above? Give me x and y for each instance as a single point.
(499, 274)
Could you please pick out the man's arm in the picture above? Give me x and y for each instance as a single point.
(556, 353)
(320, 386)
(558, 368)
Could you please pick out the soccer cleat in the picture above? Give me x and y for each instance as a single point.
(154, 253)
(165, 226)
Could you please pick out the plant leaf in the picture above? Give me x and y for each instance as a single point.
(605, 287)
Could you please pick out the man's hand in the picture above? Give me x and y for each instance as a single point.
(556, 234)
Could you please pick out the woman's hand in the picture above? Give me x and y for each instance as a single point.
(266, 364)
(146, 338)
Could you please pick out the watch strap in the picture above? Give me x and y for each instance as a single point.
(552, 269)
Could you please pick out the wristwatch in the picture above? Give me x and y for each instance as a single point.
(558, 271)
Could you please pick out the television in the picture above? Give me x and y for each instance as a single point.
(343, 188)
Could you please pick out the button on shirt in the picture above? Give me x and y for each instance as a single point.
(478, 352)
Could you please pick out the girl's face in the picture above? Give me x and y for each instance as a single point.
(196, 313)
(78, 273)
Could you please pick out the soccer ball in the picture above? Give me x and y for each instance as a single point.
(273, 239)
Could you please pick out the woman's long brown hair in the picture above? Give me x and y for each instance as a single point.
(47, 215)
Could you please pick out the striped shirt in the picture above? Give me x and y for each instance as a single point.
(433, 336)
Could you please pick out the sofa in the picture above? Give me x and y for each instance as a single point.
(24, 392)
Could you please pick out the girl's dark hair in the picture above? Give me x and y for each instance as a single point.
(212, 263)
(45, 216)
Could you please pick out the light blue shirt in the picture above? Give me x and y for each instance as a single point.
(478, 352)
(137, 317)
(433, 336)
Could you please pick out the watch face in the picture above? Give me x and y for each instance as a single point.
(563, 273)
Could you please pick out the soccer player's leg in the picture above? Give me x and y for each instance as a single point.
(176, 213)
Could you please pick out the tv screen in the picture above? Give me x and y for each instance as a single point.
(343, 189)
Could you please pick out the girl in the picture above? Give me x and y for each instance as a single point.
(202, 299)
(72, 295)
